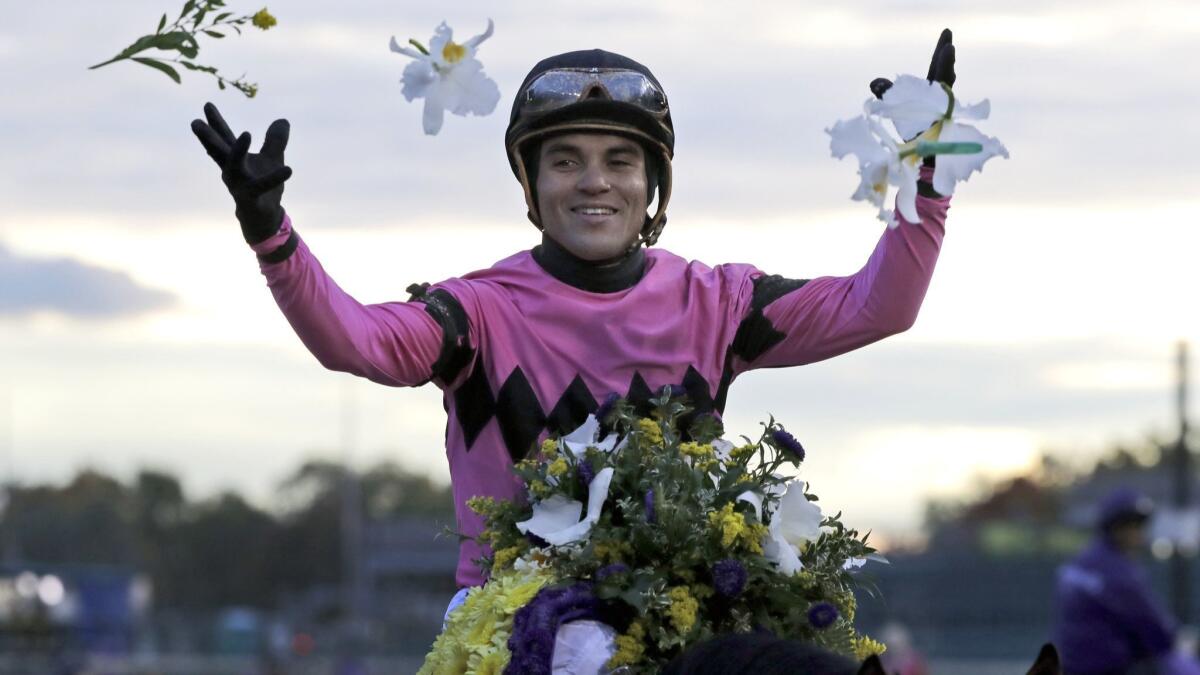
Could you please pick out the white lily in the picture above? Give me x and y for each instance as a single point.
(922, 109)
(448, 77)
(924, 112)
(879, 165)
(556, 520)
(796, 522)
(587, 435)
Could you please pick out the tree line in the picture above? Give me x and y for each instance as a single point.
(212, 552)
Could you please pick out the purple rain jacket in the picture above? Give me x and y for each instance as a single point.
(1106, 617)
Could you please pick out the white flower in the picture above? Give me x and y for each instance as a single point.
(795, 522)
(918, 108)
(583, 648)
(588, 436)
(879, 165)
(448, 77)
(922, 112)
(556, 519)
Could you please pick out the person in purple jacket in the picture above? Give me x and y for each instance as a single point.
(533, 344)
(1107, 620)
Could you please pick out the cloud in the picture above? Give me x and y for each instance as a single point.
(749, 105)
(71, 287)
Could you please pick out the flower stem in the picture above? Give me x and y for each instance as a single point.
(930, 148)
(420, 47)
(950, 102)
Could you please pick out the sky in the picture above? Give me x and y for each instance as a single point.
(136, 330)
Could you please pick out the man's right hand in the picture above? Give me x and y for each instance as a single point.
(254, 179)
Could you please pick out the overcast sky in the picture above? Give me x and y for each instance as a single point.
(135, 329)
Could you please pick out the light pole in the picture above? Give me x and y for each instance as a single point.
(1182, 473)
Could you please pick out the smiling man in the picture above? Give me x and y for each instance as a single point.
(531, 345)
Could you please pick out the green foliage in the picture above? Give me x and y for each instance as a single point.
(180, 37)
(672, 513)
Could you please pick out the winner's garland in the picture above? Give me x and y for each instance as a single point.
(636, 543)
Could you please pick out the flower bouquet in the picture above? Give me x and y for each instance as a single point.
(643, 535)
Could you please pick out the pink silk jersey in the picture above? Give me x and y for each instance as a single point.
(520, 354)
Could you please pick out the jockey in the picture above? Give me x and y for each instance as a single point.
(532, 344)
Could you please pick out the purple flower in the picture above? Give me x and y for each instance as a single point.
(586, 473)
(609, 570)
(607, 406)
(788, 444)
(536, 624)
(822, 614)
(649, 501)
(729, 577)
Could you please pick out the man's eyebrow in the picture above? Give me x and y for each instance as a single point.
(629, 149)
(560, 146)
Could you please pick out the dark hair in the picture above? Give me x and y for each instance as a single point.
(758, 654)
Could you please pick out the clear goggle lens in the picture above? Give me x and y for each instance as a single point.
(558, 88)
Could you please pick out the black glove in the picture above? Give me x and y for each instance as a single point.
(256, 179)
(941, 66)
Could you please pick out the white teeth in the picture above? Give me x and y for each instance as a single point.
(602, 211)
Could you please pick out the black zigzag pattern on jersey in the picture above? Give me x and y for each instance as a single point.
(522, 419)
(755, 334)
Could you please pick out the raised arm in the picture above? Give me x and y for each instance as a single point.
(398, 344)
(793, 322)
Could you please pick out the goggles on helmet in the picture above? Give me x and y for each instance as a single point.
(562, 87)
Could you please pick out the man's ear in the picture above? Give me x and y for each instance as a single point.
(872, 666)
(1047, 662)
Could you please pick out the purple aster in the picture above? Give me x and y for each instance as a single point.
(536, 624)
(788, 444)
(607, 406)
(609, 570)
(586, 473)
(729, 577)
(822, 614)
(650, 513)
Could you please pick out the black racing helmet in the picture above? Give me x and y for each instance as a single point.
(592, 91)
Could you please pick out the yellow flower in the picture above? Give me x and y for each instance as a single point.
(539, 489)
(735, 530)
(490, 662)
(558, 467)
(611, 551)
(505, 556)
(806, 578)
(481, 505)
(549, 448)
(865, 646)
(630, 646)
(482, 626)
(650, 429)
(263, 19)
(696, 450)
(847, 605)
(743, 451)
(520, 594)
(683, 609)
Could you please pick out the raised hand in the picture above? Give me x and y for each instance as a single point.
(254, 179)
(941, 69)
(941, 66)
